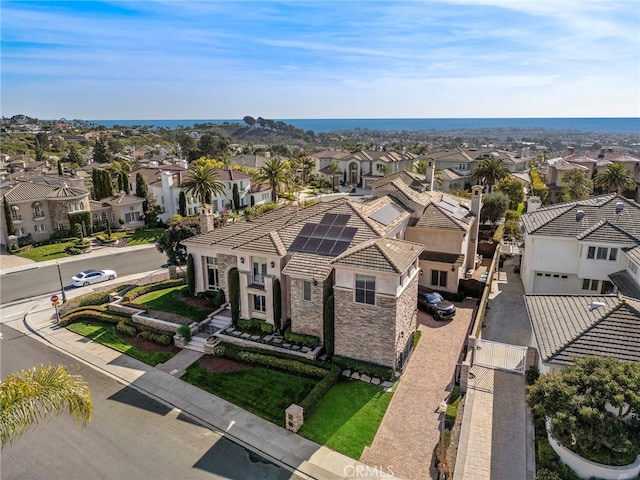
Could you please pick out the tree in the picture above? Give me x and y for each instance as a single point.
(100, 152)
(8, 218)
(182, 204)
(494, 207)
(512, 188)
(384, 169)
(60, 172)
(575, 185)
(249, 120)
(141, 186)
(191, 276)
(42, 143)
(277, 304)
(236, 197)
(73, 157)
(32, 395)
(202, 183)
(274, 172)
(615, 179)
(489, 171)
(234, 295)
(188, 146)
(177, 231)
(307, 165)
(588, 404)
(420, 167)
(102, 183)
(329, 327)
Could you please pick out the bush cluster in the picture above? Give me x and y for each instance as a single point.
(90, 315)
(185, 332)
(151, 287)
(498, 234)
(371, 369)
(161, 338)
(94, 298)
(255, 325)
(452, 407)
(301, 339)
(127, 329)
(268, 360)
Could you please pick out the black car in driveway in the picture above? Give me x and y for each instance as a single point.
(433, 303)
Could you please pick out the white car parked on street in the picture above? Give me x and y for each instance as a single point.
(88, 277)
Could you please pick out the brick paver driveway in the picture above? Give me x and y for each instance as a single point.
(405, 442)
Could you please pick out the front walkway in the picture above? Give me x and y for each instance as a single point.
(405, 442)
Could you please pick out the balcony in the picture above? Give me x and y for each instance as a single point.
(16, 218)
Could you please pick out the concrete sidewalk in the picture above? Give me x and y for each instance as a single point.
(306, 458)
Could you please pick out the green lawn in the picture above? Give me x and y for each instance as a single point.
(168, 300)
(46, 252)
(266, 393)
(140, 236)
(348, 417)
(106, 335)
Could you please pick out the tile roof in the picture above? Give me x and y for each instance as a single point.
(26, 191)
(121, 200)
(442, 257)
(411, 179)
(562, 219)
(567, 326)
(634, 254)
(381, 254)
(308, 265)
(435, 216)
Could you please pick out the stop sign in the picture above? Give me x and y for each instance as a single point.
(54, 298)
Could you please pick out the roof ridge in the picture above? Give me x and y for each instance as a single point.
(376, 244)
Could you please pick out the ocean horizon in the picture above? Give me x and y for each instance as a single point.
(621, 125)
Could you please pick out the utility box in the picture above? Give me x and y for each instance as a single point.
(294, 417)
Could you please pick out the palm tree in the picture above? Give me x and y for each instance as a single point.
(490, 171)
(29, 396)
(420, 167)
(274, 171)
(307, 164)
(615, 178)
(203, 183)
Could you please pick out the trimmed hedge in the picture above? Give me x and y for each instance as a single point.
(96, 316)
(312, 400)
(161, 338)
(185, 332)
(95, 298)
(301, 339)
(151, 287)
(285, 364)
(498, 234)
(254, 324)
(371, 369)
(277, 354)
(127, 329)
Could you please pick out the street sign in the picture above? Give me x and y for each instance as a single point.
(54, 298)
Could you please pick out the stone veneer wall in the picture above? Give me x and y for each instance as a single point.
(224, 264)
(307, 316)
(365, 332)
(59, 211)
(407, 316)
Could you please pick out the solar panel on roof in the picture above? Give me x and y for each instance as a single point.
(334, 232)
(341, 219)
(307, 229)
(348, 233)
(328, 219)
(339, 247)
(312, 245)
(298, 243)
(386, 214)
(446, 206)
(325, 247)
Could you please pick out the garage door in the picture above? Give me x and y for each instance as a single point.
(545, 282)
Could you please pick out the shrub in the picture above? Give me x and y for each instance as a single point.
(185, 332)
(266, 359)
(191, 276)
(371, 369)
(94, 298)
(126, 329)
(329, 327)
(254, 324)
(313, 398)
(498, 234)
(90, 315)
(531, 375)
(266, 327)
(219, 299)
(234, 295)
(301, 339)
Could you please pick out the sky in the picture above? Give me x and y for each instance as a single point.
(324, 59)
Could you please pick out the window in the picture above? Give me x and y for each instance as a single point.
(259, 303)
(588, 284)
(39, 228)
(103, 216)
(306, 290)
(365, 289)
(60, 227)
(21, 232)
(95, 218)
(15, 213)
(213, 279)
(132, 217)
(632, 267)
(439, 278)
(37, 211)
(602, 253)
(259, 270)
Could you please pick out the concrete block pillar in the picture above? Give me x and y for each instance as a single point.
(294, 417)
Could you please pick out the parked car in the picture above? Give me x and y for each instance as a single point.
(433, 303)
(88, 277)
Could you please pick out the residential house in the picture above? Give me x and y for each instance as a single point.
(569, 326)
(363, 167)
(39, 209)
(251, 161)
(445, 224)
(456, 165)
(349, 250)
(164, 182)
(574, 247)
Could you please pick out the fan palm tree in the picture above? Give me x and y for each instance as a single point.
(307, 164)
(615, 178)
(29, 396)
(274, 172)
(203, 183)
(490, 171)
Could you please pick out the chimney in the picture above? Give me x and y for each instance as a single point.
(206, 218)
(533, 204)
(430, 174)
(472, 248)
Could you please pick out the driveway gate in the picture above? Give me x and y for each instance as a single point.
(501, 356)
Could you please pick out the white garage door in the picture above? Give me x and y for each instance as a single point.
(545, 282)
